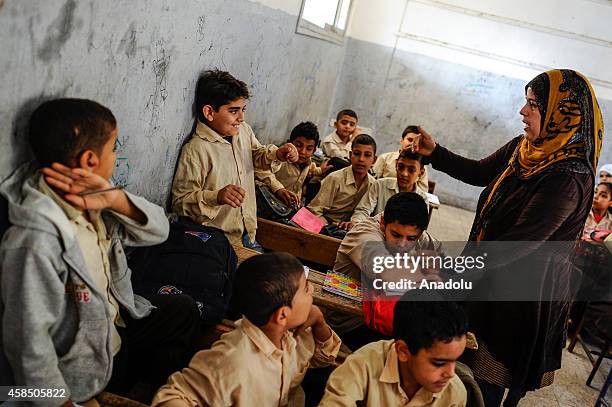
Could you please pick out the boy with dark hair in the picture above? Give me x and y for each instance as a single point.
(416, 367)
(341, 190)
(400, 228)
(69, 315)
(214, 180)
(385, 164)
(262, 360)
(338, 143)
(409, 168)
(287, 180)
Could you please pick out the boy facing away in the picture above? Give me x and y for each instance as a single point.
(409, 168)
(69, 314)
(341, 190)
(286, 179)
(279, 337)
(214, 180)
(385, 165)
(338, 143)
(415, 368)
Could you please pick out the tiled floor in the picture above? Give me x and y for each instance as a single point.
(569, 389)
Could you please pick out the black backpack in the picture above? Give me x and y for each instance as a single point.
(195, 260)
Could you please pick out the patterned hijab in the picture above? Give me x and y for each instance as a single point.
(571, 135)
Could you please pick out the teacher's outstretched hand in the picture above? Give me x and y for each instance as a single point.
(424, 144)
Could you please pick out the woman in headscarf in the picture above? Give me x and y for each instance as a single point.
(539, 187)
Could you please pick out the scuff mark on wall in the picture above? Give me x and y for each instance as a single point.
(127, 44)
(58, 33)
(160, 93)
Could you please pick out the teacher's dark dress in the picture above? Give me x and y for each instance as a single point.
(521, 342)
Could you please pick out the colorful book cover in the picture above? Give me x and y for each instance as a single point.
(343, 285)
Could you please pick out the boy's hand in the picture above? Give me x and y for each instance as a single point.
(73, 181)
(345, 225)
(325, 166)
(424, 144)
(287, 152)
(231, 195)
(320, 330)
(288, 197)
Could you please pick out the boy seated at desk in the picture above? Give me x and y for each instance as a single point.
(400, 228)
(214, 183)
(415, 368)
(286, 179)
(408, 170)
(279, 337)
(385, 164)
(341, 190)
(70, 319)
(338, 143)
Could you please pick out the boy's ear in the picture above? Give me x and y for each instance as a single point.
(382, 223)
(207, 112)
(403, 354)
(88, 160)
(422, 170)
(281, 316)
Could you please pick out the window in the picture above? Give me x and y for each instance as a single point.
(324, 19)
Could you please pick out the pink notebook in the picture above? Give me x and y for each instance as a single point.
(308, 221)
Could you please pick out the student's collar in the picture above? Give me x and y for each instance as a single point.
(71, 212)
(208, 134)
(350, 177)
(336, 138)
(259, 338)
(391, 375)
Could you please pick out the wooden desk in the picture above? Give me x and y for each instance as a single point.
(299, 242)
(316, 278)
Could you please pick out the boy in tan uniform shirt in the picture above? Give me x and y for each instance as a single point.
(287, 180)
(341, 191)
(408, 170)
(266, 357)
(338, 143)
(214, 180)
(415, 368)
(385, 164)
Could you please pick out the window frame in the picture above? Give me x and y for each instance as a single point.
(330, 33)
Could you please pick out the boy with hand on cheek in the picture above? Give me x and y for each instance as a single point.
(287, 179)
(214, 180)
(415, 368)
(279, 337)
(69, 315)
(341, 191)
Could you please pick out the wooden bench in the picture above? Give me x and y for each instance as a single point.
(316, 278)
(301, 243)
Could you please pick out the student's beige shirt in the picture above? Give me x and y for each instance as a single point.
(94, 243)
(374, 201)
(244, 368)
(371, 377)
(208, 162)
(365, 240)
(385, 167)
(287, 175)
(349, 259)
(339, 195)
(333, 146)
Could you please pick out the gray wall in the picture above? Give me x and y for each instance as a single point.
(471, 112)
(141, 58)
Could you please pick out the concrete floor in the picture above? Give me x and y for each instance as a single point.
(569, 389)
